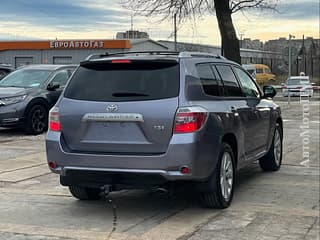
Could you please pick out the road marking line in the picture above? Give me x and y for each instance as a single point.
(22, 162)
(59, 232)
(24, 174)
(62, 192)
(299, 120)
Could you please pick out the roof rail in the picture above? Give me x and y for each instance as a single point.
(96, 55)
(93, 56)
(200, 54)
(179, 54)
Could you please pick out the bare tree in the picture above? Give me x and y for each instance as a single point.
(190, 9)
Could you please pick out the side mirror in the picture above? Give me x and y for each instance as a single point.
(53, 86)
(269, 92)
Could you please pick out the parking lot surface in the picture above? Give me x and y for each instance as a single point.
(280, 205)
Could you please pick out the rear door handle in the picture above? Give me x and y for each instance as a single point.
(233, 108)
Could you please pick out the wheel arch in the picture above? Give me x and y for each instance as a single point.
(36, 101)
(280, 122)
(231, 139)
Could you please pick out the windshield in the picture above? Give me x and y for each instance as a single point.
(298, 81)
(33, 78)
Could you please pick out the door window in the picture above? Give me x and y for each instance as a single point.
(61, 78)
(208, 80)
(248, 86)
(231, 86)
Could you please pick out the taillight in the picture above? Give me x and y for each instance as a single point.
(189, 119)
(54, 122)
(121, 61)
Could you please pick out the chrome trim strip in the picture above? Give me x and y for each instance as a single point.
(112, 117)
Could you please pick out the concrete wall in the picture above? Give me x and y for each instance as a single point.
(147, 46)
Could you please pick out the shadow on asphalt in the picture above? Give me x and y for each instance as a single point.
(12, 132)
(144, 200)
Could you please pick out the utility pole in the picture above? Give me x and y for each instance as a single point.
(241, 35)
(175, 31)
(304, 55)
(290, 37)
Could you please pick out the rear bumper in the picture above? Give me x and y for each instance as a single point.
(197, 151)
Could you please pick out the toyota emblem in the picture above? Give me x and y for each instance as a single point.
(112, 108)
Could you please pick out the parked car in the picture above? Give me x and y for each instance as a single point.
(251, 69)
(5, 69)
(27, 94)
(297, 86)
(159, 118)
(263, 74)
(260, 72)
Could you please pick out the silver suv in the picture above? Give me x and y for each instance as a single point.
(162, 118)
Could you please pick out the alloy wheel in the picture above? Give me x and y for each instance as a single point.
(226, 176)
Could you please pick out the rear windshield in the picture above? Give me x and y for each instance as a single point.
(298, 81)
(135, 81)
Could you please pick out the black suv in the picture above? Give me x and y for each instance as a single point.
(5, 69)
(27, 94)
(158, 118)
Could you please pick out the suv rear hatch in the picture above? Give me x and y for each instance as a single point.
(121, 106)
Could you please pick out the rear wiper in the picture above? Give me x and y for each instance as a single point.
(129, 94)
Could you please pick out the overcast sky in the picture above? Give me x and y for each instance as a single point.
(95, 19)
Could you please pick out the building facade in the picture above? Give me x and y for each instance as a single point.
(272, 59)
(305, 54)
(18, 53)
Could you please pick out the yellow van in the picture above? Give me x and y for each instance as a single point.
(263, 74)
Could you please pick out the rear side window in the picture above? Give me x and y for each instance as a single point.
(259, 70)
(208, 80)
(61, 78)
(134, 81)
(248, 86)
(231, 86)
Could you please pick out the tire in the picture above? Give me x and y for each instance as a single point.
(273, 159)
(216, 197)
(37, 120)
(82, 193)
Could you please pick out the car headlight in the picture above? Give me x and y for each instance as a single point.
(12, 100)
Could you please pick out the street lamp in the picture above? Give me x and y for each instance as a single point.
(290, 37)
